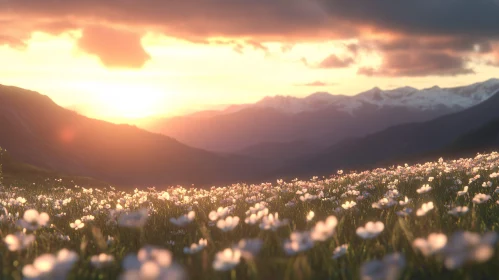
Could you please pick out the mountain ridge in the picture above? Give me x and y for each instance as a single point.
(401, 141)
(292, 105)
(370, 111)
(35, 130)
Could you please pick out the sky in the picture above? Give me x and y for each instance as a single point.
(118, 59)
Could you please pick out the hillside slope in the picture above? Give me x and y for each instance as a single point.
(480, 140)
(399, 142)
(34, 130)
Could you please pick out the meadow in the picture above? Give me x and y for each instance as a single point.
(434, 220)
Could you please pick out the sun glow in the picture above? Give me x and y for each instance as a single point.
(128, 101)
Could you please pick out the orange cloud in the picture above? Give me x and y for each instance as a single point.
(317, 84)
(333, 61)
(115, 48)
(12, 42)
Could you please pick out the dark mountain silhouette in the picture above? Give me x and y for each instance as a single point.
(483, 139)
(252, 126)
(280, 151)
(407, 141)
(320, 119)
(36, 131)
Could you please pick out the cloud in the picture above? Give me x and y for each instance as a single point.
(442, 27)
(333, 61)
(422, 17)
(115, 48)
(317, 84)
(196, 20)
(55, 27)
(12, 42)
(434, 43)
(407, 64)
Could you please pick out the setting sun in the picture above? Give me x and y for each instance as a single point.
(127, 100)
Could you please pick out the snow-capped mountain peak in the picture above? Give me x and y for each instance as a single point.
(425, 99)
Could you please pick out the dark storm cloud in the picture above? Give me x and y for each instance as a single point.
(410, 64)
(434, 44)
(425, 17)
(195, 19)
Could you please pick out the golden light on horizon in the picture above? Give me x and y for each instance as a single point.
(127, 101)
(182, 77)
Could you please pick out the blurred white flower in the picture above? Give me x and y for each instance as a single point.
(405, 201)
(340, 251)
(227, 259)
(463, 192)
(424, 189)
(370, 230)
(272, 222)
(310, 216)
(151, 263)
(183, 220)
(487, 184)
(425, 208)
(481, 198)
(465, 246)
(101, 260)
(228, 224)
(432, 245)
(249, 247)
(32, 220)
(196, 247)
(323, 230)
(298, 242)
(221, 213)
(458, 211)
(389, 268)
(41, 268)
(348, 205)
(78, 224)
(109, 240)
(135, 219)
(48, 266)
(384, 203)
(87, 218)
(18, 241)
(404, 212)
(63, 237)
(164, 196)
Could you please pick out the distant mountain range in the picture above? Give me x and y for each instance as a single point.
(36, 131)
(474, 129)
(319, 120)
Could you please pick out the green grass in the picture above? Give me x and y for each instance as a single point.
(271, 262)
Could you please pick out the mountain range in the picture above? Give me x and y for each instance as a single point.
(37, 132)
(473, 129)
(316, 121)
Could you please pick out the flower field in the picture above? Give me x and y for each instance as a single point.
(436, 220)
